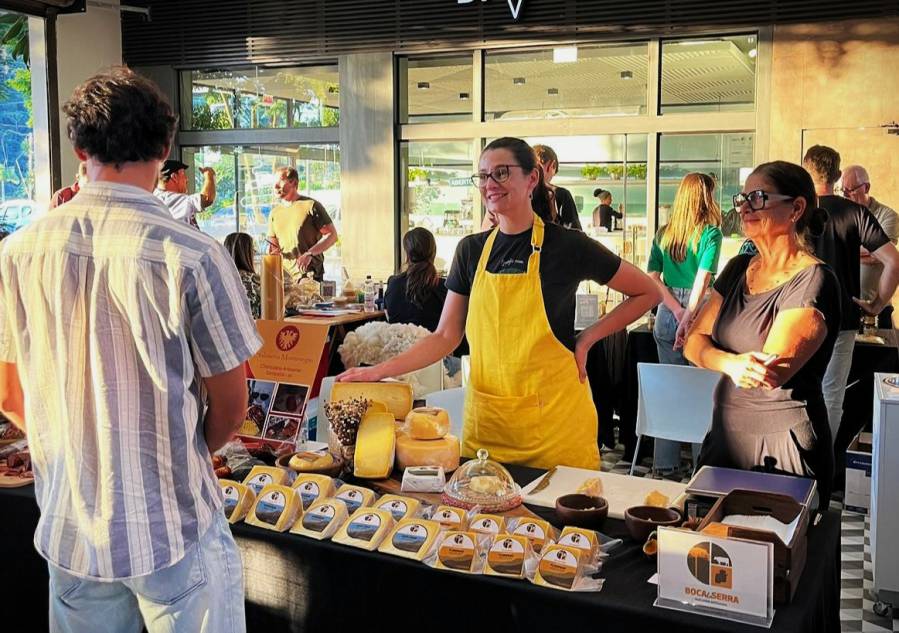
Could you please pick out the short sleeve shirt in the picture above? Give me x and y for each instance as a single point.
(298, 228)
(702, 254)
(183, 206)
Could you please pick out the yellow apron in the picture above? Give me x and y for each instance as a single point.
(524, 403)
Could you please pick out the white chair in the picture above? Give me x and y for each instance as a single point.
(675, 403)
(453, 400)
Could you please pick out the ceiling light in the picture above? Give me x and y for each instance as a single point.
(565, 54)
(518, 81)
(626, 74)
(464, 96)
(423, 85)
(553, 92)
(753, 52)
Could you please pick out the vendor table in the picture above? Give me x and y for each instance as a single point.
(338, 327)
(298, 584)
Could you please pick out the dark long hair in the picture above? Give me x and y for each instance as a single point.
(421, 274)
(240, 245)
(792, 180)
(541, 197)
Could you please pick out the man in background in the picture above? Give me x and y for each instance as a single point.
(67, 193)
(172, 190)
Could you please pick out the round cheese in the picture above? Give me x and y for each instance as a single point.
(427, 423)
(442, 452)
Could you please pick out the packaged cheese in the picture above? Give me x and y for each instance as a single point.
(443, 452)
(508, 555)
(311, 486)
(460, 550)
(239, 499)
(488, 524)
(354, 497)
(277, 508)
(451, 517)
(397, 396)
(581, 539)
(411, 538)
(375, 446)
(262, 476)
(322, 519)
(537, 531)
(365, 529)
(560, 567)
(399, 507)
(424, 479)
(427, 423)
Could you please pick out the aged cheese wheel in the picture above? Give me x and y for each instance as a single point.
(427, 423)
(443, 452)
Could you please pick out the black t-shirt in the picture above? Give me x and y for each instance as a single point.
(401, 309)
(850, 226)
(567, 258)
(606, 213)
(567, 209)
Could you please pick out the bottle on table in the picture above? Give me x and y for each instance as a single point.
(370, 294)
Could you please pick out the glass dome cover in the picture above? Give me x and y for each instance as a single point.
(482, 482)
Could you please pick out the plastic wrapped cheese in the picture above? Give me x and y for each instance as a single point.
(238, 500)
(355, 497)
(451, 517)
(537, 531)
(375, 446)
(398, 506)
(581, 539)
(459, 550)
(488, 524)
(365, 529)
(322, 519)
(560, 567)
(311, 487)
(277, 508)
(507, 555)
(262, 476)
(411, 538)
(427, 423)
(443, 452)
(396, 395)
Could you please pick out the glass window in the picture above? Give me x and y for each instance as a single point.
(709, 75)
(260, 98)
(435, 89)
(438, 195)
(567, 82)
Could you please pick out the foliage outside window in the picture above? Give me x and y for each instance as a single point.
(16, 119)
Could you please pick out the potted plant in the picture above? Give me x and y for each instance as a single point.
(590, 172)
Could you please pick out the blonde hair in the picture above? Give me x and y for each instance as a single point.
(694, 208)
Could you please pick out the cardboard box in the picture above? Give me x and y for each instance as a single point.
(858, 474)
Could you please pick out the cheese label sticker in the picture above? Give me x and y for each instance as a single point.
(397, 508)
(558, 567)
(270, 507)
(364, 528)
(456, 551)
(259, 482)
(486, 526)
(231, 499)
(319, 517)
(532, 530)
(352, 499)
(506, 556)
(576, 539)
(448, 518)
(410, 538)
(309, 492)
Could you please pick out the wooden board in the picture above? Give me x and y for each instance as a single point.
(343, 319)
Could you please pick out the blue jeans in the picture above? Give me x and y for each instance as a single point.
(834, 383)
(201, 593)
(666, 455)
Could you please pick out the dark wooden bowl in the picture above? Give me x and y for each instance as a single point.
(641, 520)
(584, 511)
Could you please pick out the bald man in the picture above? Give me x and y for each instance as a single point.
(856, 186)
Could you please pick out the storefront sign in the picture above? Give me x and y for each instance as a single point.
(514, 6)
(718, 577)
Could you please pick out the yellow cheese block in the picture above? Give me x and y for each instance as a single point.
(322, 520)
(277, 508)
(537, 531)
(457, 550)
(560, 566)
(375, 446)
(262, 476)
(365, 529)
(488, 524)
(396, 395)
(411, 538)
(398, 506)
(443, 452)
(507, 555)
(427, 423)
(311, 486)
(239, 499)
(451, 517)
(581, 539)
(355, 497)
(311, 462)
(656, 498)
(377, 406)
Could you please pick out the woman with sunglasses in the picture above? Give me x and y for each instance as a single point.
(770, 327)
(512, 292)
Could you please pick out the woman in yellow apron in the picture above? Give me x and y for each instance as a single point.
(512, 292)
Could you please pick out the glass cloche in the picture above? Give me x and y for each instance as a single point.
(482, 482)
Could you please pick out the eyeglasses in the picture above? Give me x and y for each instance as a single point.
(757, 199)
(500, 173)
(845, 191)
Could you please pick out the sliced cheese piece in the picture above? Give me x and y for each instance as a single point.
(451, 517)
(365, 529)
(322, 519)
(427, 423)
(581, 539)
(396, 395)
(488, 524)
(239, 500)
(411, 538)
(537, 531)
(354, 497)
(443, 452)
(311, 487)
(560, 566)
(457, 550)
(375, 446)
(398, 506)
(277, 508)
(656, 498)
(507, 555)
(262, 476)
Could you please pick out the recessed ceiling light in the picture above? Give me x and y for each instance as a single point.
(518, 81)
(553, 92)
(423, 85)
(626, 74)
(565, 54)
(463, 96)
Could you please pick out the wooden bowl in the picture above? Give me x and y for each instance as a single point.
(642, 520)
(581, 510)
(331, 471)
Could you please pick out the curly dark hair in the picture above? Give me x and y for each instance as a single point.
(119, 116)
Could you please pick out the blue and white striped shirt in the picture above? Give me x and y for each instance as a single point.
(113, 312)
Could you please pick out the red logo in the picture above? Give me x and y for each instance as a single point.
(287, 338)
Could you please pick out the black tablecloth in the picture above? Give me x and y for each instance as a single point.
(297, 584)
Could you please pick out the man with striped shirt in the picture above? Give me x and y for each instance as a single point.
(123, 334)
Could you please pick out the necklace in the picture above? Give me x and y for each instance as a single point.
(760, 280)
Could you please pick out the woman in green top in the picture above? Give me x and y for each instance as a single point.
(683, 262)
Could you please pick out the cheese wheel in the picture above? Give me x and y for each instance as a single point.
(309, 462)
(443, 452)
(396, 395)
(375, 446)
(427, 423)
